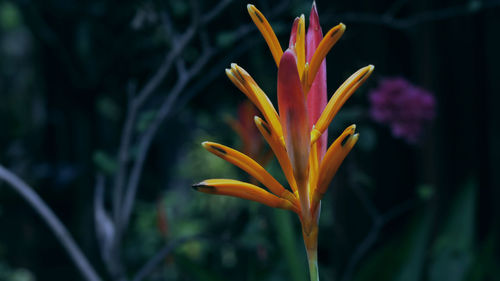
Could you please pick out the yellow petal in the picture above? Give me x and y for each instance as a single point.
(258, 97)
(334, 156)
(243, 190)
(300, 46)
(238, 84)
(267, 32)
(313, 168)
(324, 47)
(338, 99)
(278, 148)
(303, 79)
(248, 165)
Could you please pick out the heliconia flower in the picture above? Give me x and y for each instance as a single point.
(298, 134)
(402, 106)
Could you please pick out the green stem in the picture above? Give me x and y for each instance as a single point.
(310, 234)
(311, 243)
(313, 266)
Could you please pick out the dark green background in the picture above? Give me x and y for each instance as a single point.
(424, 212)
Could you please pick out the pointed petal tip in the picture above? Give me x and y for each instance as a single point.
(267, 32)
(364, 73)
(352, 128)
(293, 33)
(349, 131)
(205, 144)
(257, 120)
(199, 185)
(288, 69)
(315, 134)
(289, 56)
(313, 16)
(239, 69)
(350, 140)
(214, 148)
(289, 52)
(337, 30)
(353, 139)
(368, 69)
(262, 126)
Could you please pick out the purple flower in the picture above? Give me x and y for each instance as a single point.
(403, 107)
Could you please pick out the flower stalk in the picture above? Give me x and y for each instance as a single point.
(313, 266)
(297, 131)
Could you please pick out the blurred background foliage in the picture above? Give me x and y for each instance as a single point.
(395, 211)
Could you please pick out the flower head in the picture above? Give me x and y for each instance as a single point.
(402, 106)
(298, 134)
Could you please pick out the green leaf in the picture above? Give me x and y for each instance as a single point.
(104, 162)
(179, 8)
(452, 251)
(108, 108)
(425, 191)
(474, 5)
(197, 271)
(401, 259)
(225, 39)
(411, 269)
(9, 16)
(22, 274)
(484, 267)
(297, 266)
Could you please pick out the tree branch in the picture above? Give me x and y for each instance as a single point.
(146, 139)
(213, 73)
(208, 17)
(52, 221)
(134, 106)
(165, 108)
(123, 155)
(387, 19)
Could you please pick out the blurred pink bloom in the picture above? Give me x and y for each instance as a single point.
(402, 106)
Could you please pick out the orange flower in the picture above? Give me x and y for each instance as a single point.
(297, 135)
